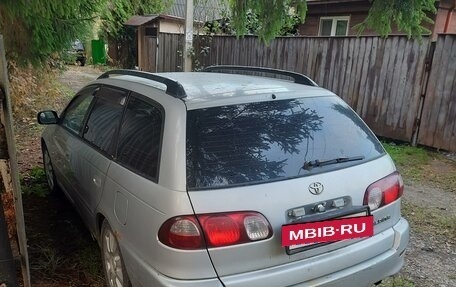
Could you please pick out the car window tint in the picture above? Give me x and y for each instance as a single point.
(76, 111)
(104, 119)
(140, 138)
(258, 142)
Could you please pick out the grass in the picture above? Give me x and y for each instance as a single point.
(397, 281)
(90, 260)
(408, 159)
(34, 183)
(404, 154)
(48, 261)
(423, 166)
(431, 222)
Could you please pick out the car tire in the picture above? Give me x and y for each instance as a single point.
(49, 171)
(82, 62)
(113, 264)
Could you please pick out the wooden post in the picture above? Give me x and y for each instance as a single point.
(7, 267)
(188, 46)
(9, 168)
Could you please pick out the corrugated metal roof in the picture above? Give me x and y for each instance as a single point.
(137, 20)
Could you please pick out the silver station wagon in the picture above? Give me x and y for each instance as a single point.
(233, 176)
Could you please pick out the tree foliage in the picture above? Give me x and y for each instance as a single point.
(289, 26)
(407, 15)
(272, 15)
(35, 29)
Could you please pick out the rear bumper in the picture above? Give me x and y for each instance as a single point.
(298, 274)
(365, 273)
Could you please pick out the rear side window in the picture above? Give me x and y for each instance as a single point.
(140, 138)
(266, 141)
(104, 119)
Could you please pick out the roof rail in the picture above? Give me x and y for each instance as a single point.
(173, 88)
(298, 78)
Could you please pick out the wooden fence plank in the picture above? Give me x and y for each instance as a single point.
(363, 85)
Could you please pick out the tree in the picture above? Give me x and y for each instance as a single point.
(36, 29)
(271, 15)
(408, 15)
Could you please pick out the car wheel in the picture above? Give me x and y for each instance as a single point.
(49, 171)
(113, 265)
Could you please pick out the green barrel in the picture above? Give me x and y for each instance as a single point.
(98, 52)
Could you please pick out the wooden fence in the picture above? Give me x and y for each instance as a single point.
(384, 80)
(438, 121)
(162, 54)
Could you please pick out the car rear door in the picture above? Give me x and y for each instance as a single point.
(264, 157)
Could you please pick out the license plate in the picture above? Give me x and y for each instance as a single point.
(300, 235)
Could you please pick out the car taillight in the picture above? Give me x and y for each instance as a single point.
(384, 191)
(182, 232)
(219, 229)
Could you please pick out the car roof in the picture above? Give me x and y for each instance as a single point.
(205, 89)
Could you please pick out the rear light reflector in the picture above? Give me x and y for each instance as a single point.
(219, 229)
(384, 191)
(257, 227)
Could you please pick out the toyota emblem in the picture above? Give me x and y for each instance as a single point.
(316, 188)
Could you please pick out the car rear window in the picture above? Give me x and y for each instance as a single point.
(267, 141)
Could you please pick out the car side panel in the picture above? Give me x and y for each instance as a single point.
(136, 208)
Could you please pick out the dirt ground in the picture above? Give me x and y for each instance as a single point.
(430, 258)
(62, 252)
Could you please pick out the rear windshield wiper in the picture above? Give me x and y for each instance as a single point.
(308, 165)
